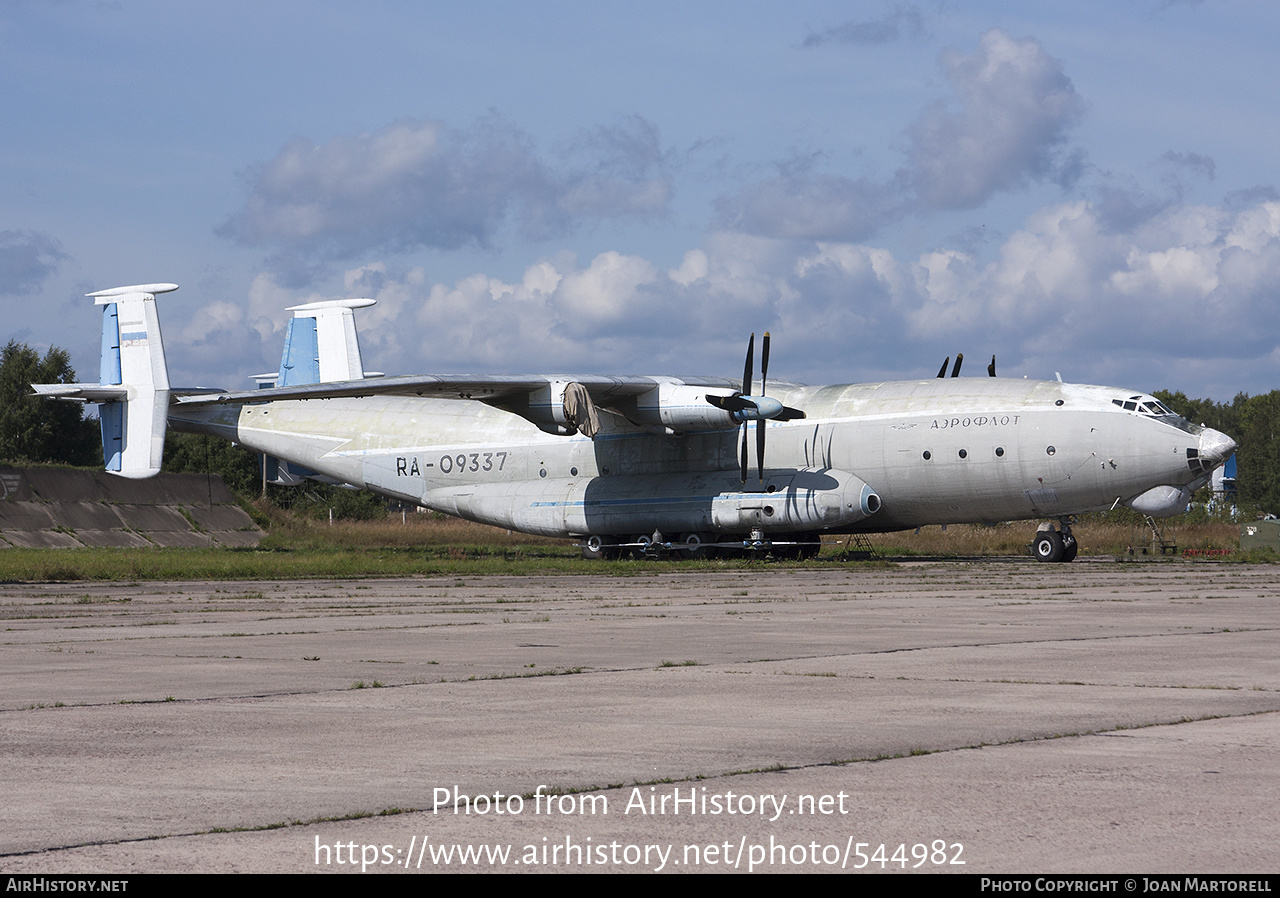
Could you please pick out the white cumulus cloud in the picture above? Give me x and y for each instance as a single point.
(1005, 123)
(419, 183)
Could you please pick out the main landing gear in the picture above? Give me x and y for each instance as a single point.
(1055, 545)
(700, 544)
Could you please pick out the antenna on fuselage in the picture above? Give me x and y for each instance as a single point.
(955, 372)
(991, 369)
(942, 372)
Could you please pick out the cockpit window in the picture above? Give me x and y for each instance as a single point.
(1157, 409)
(1146, 406)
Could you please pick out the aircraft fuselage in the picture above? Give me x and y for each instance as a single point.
(868, 457)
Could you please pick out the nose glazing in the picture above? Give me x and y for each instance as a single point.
(1215, 446)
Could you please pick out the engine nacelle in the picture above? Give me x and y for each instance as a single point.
(803, 499)
(562, 407)
(682, 408)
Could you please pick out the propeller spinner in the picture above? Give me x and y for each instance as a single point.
(746, 408)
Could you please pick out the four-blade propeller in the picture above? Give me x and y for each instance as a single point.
(745, 407)
(955, 372)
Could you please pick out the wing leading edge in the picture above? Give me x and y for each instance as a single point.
(557, 404)
(485, 388)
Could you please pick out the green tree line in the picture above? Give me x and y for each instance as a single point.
(1254, 423)
(35, 430)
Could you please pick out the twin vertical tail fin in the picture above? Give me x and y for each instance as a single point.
(133, 388)
(320, 346)
(133, 425)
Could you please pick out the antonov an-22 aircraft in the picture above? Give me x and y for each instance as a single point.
(652, 464)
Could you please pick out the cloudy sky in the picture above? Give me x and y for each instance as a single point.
(1087, 188)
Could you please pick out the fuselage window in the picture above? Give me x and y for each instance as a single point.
(927, 455)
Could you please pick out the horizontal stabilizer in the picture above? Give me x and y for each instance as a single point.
(83, 392)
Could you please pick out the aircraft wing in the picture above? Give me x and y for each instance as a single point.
(485, 388)
(562, 404)
(107, 392)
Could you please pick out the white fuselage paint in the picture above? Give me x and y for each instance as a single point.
(997, 450)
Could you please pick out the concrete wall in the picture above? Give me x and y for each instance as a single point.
(66, 508)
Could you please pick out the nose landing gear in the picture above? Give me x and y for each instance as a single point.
(1055, 545)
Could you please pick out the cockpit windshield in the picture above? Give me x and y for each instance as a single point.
(1149, 405)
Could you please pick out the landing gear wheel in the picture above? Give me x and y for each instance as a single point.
(787, 552)
(694, 545)
(597, 547)
(734, 547)
(1069, 548)
(641, 550)
(812, 545)
(1048, 546)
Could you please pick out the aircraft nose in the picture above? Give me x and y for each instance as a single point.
(1215, 446)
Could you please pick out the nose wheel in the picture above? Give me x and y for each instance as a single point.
(1055, 545)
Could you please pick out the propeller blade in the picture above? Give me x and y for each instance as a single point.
(760, 447)
(955, 372)
(942, 372)
(764, 363)
(760, 425)
(731, 403)
(991, 369)
(745, 407)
